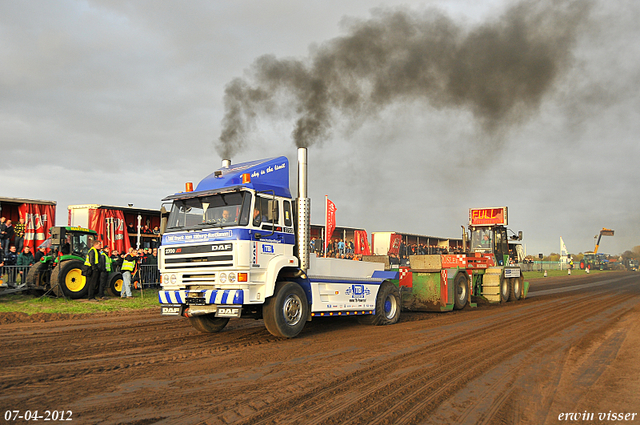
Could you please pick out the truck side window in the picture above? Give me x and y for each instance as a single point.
(287, 213)
(265, 211)
(246, 210)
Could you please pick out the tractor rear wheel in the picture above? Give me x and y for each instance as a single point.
(114, 284)
(38, 276)
(67, 280)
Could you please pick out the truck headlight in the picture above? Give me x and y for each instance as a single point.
(223, 277)
(173, 278)
(232, 277)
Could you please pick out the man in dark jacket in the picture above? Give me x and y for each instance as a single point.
(93, 263)
(25, 260)
(11, 259)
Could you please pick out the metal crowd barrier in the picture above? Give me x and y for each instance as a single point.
(13, 275)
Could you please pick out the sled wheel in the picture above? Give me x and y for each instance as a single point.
(505, 289)
(516, 288)
(461, 291)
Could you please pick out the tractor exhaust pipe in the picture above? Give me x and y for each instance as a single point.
(304, 211)
(226, 163)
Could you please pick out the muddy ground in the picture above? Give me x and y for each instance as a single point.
(572, 347)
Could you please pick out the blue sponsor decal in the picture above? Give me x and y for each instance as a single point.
(212, 235)
(357, 291)
(267, 249)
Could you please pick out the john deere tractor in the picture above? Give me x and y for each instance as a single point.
(60, 271)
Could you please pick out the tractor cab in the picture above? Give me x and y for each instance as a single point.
(74, 241)
(487, 227)
(490, 240)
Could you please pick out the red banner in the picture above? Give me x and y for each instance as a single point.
(38, 219)
(394, 244)
(111, 228)
(330, 222)
(362, 242)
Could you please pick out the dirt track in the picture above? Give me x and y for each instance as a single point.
(557, 352)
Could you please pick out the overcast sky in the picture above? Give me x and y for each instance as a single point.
(116, 102)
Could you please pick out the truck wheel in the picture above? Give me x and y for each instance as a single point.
(286, 312)
(208, 323)
(516, 288)
(461, 291)
(67, 280)
(387, 307)
(114, 284)
(38, 276)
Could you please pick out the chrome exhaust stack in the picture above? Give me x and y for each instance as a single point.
(304, 211)
(226, 163)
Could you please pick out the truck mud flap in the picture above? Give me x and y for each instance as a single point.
(172, 310)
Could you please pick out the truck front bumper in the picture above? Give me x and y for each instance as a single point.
(202, 297)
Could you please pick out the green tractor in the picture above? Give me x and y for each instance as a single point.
(60, 271)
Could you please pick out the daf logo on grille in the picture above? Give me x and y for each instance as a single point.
(222, 247)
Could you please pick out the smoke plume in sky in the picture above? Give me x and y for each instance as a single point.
(499, 70)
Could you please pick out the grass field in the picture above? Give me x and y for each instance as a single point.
(552, 273)
(30, 304)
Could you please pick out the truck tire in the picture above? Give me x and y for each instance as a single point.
(286, 312)
(387, 307)
(460, 291)
(516, 288)
(114, 284)
(67, 280)
(38, 276)
(208, 323)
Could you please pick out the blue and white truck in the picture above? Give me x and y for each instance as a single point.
(238, 246)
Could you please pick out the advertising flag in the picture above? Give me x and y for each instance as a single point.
(330, 222)
(38, 219)
(110, 227)
(394, 244)
(563, 248)
(361, 242)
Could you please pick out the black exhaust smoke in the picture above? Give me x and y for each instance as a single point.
(499, 70)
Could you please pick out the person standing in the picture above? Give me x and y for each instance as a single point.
(25, 260)
(105, 271)
(11, 260)
(8, 234)
(116, 260)
(93, 263)
(128, 265)
(3, 233)
(19, 234)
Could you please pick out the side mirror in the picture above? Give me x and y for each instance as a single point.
(520, 235)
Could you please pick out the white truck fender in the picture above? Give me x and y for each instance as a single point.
(273, 270)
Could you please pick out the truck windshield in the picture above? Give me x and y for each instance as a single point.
(222, 210)
(481, 240)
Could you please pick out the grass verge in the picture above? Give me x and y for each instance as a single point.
(552, 273)
(30, 304)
